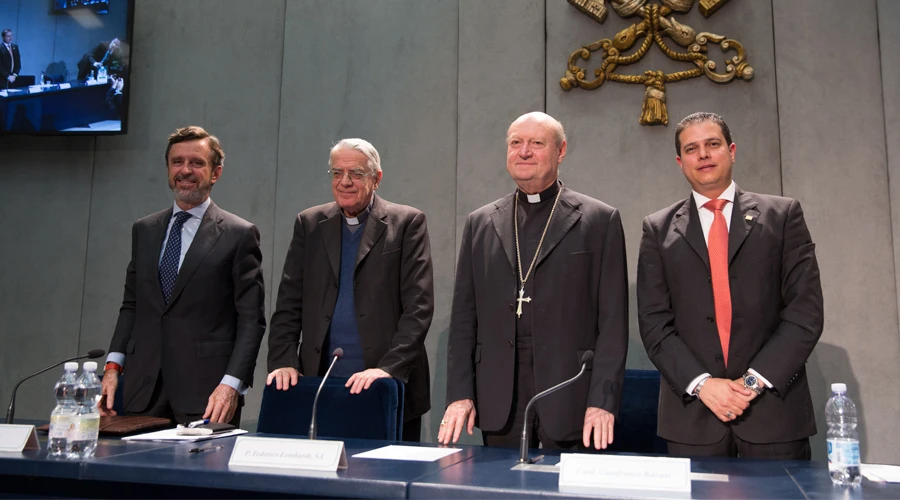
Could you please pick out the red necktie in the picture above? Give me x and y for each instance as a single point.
(718, 266)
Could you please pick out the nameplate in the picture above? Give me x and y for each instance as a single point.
(283, 453)
(34, 89)
(18, 438)
(584, 473)
(64, 86)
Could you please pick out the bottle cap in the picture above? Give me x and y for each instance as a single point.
(89, 366)
(71, 366)
(841, 388)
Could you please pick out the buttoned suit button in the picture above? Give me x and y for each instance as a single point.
(718, 358)
(512, 307)
(318, 351)
(327, 317)
(165, 317)
(710, 319)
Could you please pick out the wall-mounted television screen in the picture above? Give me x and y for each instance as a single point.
(64, 66)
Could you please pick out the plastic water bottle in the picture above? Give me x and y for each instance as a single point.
(61, 416)
(843, 441)
(86, 428)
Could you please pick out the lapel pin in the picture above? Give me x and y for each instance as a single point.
(748, 217)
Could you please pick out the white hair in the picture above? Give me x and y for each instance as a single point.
(373, 160)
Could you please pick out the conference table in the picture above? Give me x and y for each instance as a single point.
(123, 469)
(54, 108)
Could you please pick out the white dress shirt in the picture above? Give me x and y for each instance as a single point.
(706, 217)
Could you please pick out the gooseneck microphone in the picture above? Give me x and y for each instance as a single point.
(336, 355)
(586, 359)
(11, 412)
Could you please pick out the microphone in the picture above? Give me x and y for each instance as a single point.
(10, 413)
(312, 423)
(586, 359)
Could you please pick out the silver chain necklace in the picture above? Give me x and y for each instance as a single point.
(522, 298)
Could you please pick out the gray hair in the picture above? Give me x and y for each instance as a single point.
(373, 160)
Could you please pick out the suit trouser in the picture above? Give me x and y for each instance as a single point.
(160, 406)
(733, 446)
(523, 390)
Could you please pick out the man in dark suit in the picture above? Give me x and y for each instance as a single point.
(541, 279)
(10, 60)
(192, 318)
(730, 308)
(357, 276)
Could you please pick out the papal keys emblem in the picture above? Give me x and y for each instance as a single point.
(652, 29)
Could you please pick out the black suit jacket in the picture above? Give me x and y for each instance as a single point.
(215, 319)
(580, 301)
(393, 292)
(777, 316)
(6, 60)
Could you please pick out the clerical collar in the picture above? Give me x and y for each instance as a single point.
(360, 217)
(547, 194)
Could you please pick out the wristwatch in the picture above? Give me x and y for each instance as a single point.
(699, 386)
(751, 382)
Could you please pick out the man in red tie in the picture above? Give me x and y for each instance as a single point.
(730, 308)
(10, 60)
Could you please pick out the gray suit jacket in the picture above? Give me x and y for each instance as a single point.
(393, 292)
(580, 300)
(215, 319)
(777, 316)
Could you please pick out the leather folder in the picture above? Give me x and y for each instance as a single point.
(121, 425)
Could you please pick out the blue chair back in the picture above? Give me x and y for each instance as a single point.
(376, 413)
(635, 429)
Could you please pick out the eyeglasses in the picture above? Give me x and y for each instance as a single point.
(357, 174)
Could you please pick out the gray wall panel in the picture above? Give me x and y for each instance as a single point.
(386, 72)
(434, 85)
(833, 155)
(632, 167)
(889, 38)
(172, 87)
(45, 185)
(501, 71)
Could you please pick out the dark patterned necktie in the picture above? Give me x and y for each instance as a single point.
(168, 267)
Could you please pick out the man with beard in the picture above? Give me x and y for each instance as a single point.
(192, 318)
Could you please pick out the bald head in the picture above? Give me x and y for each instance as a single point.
(535, 146)
(543, 119)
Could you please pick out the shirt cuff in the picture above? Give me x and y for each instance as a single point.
(116, 357)
(236, 384)
(763, 379)
(693, 384)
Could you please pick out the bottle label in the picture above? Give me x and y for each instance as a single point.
(84, 428)
(59, 426)
(843, 453)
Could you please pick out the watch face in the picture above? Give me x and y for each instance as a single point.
(750, 381)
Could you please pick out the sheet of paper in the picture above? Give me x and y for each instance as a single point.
(411, 453)
(881, 473)
(171, 435)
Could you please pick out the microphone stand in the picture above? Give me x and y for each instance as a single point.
(11, 411)
(312, 422)
(523, 444)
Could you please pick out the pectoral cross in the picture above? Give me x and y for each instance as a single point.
(521, 299)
